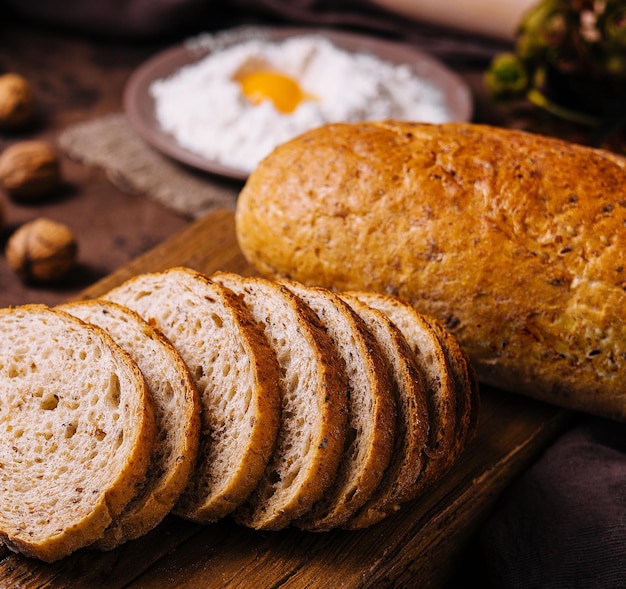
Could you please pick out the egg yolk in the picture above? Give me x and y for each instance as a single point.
(282, 90)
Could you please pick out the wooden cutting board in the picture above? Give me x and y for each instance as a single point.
(418, 545)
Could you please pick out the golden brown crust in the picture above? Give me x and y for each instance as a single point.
(512, 240)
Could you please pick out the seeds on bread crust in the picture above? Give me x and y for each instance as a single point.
(488, 229)
(77, 431)
(177, 409)
(236, 374)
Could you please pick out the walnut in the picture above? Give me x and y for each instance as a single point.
(17, 102)
(30, 169)
(42, 251)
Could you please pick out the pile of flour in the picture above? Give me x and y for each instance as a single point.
(202, 106)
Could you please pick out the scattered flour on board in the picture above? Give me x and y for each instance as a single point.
(203, 108)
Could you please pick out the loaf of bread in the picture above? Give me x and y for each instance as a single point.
(513, 241)
(78, 430)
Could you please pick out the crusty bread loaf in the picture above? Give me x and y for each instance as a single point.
(515, 242)
(314, 405)
(77, 431)
(236, 374)
(371, 411)
(411, 445)
(177, 410)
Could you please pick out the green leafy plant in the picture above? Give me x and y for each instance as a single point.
(569, 58)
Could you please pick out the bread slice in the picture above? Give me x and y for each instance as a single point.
(236, 374)
(459, 370)
(461, 374)
(412, 423)
(77, 429)
(371, 411)
(466, 385)
(314, 402)
(177, 408)
(441, 391)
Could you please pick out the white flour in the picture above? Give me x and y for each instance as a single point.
(203, 108)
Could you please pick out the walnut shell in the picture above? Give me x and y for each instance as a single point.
(17, 102)
(30, 169)
(42, 251)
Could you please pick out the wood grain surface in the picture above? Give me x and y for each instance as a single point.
(416, 546)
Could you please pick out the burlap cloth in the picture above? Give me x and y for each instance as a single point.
(110, 143)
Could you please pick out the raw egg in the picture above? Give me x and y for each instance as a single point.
(283, 91)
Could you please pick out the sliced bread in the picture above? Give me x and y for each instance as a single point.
(371, 411)
(466, 385)
(412, 423)
(177, 408)
(77, 429)
(314, 401)
(441, 394)
(236, 374)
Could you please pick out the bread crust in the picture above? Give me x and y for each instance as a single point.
(82, 423)
(513, 241)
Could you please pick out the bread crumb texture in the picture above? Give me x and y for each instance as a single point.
(73, 419)
(300, 411)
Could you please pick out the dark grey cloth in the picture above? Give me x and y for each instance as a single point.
(562, 525)
(136, 18)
